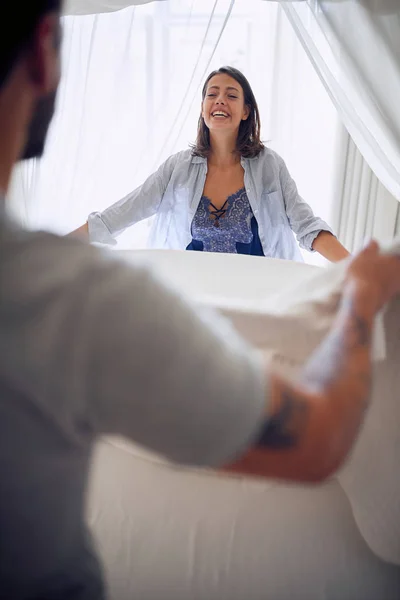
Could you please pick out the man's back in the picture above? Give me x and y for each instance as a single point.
(45, 551)
(79, 360)
(45, 447)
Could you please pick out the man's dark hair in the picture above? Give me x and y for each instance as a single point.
(18, 23)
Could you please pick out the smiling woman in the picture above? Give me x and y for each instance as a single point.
(229, 193)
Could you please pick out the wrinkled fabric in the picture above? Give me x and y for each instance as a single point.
(288, 325)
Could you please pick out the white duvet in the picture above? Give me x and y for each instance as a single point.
(169, 533)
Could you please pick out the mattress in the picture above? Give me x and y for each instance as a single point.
(169, 532)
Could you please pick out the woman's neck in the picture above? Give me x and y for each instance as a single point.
(223, 151)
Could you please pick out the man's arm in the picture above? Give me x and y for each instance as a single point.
(191, 390)
(123, 354)
(313, 423)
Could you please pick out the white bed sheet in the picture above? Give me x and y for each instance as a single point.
(168, 534)
(165, 532)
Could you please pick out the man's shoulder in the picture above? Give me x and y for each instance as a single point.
(40, 264)
(28, 249)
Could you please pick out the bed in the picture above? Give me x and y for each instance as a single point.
(166, 532)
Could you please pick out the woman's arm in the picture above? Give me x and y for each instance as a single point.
(81, 233)
(144, 202)
(313, 234)
(330, 247)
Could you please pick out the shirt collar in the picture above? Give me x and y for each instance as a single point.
(202, 160)
(198, 160)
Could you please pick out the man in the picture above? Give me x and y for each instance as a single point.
(89, 347)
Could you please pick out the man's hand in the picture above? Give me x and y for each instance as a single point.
(374, 276)
(312, 424)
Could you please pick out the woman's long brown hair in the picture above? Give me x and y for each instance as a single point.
(248, 144)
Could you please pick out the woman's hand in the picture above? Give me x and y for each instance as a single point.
(81, 233)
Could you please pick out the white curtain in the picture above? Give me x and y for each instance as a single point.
(354, 46)
(130, 97)
(365, 208)
(89, 7)
(86, 7)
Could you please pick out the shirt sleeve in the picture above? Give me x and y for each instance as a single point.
(180, 383)
(138, 205)
(105, 348)
(302, 220)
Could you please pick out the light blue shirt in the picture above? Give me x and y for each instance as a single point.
(174, 191)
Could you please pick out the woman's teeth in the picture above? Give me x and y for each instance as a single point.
(220, 114)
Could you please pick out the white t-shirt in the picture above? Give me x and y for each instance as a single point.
(90, 346)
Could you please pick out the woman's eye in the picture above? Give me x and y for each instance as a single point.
(233, 97)
(211, 96)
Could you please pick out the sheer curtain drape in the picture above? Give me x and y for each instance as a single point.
(355, 48)
(131, 94)
(364, 208)
(84, 7)
(89, 7)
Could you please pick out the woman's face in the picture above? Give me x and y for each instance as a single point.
(223, 106)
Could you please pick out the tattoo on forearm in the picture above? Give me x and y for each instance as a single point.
(338, 350)
(360, 329)
(284, 429)
(356, 333)
(336, 363)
